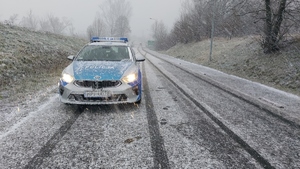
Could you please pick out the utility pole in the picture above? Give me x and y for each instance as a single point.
(212, 30)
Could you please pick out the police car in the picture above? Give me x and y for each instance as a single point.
(105, 71)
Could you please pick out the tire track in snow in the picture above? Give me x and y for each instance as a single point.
(45, 151)
(25, 119)
(208, 111)
(157, 143)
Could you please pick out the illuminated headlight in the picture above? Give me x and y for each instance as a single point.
(67, 78)
(130, 78)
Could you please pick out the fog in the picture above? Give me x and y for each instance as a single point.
(81, 13)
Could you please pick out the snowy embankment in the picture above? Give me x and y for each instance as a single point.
(28, 58)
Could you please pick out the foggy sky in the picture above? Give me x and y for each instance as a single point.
(82, 13)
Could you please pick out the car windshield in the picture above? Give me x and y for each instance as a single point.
(103, 53)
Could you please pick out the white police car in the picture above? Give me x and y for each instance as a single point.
(105, 71)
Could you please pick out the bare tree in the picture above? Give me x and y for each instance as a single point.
(273, 18)
(273, 23)
(58, 25)
(183, 30)
(90, 32)
(160, 35)
(112, 10)
(12, 19)
(98, 28)
(29, 21)
(45, 25)
(71, 30)
(122, 27)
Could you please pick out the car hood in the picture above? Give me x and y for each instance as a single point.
(100, 70)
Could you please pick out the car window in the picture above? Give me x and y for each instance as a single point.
(103, 53)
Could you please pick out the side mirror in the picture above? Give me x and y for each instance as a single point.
(71, 57)
(139, 58)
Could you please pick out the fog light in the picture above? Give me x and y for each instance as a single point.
(72, 98)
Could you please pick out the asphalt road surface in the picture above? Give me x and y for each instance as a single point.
(184, 121)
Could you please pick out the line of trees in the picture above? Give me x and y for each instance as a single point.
(112, 19)
(50, 23)
(273, 20)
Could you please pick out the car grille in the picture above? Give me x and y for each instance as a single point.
(98, 84)
(113, 98)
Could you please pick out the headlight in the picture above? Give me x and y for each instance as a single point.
(67, 78)
(130, 78)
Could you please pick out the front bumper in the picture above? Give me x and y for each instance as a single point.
(125, 93)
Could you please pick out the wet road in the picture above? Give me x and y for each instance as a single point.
(167, 130)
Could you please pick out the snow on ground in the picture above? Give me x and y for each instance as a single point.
(15, 115)
(284, 103)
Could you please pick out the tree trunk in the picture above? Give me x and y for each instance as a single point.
(279, 20)
(273, 28)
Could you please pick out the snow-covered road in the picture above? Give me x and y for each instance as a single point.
(167, 130)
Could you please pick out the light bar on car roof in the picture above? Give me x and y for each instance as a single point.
(109, 39)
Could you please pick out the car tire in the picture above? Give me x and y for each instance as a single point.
(138, 102)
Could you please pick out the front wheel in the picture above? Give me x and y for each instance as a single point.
(138, 102)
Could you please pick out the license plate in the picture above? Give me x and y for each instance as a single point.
(94, 94)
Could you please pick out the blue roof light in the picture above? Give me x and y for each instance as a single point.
(95, 39)
(124, 39)
(109, 39)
